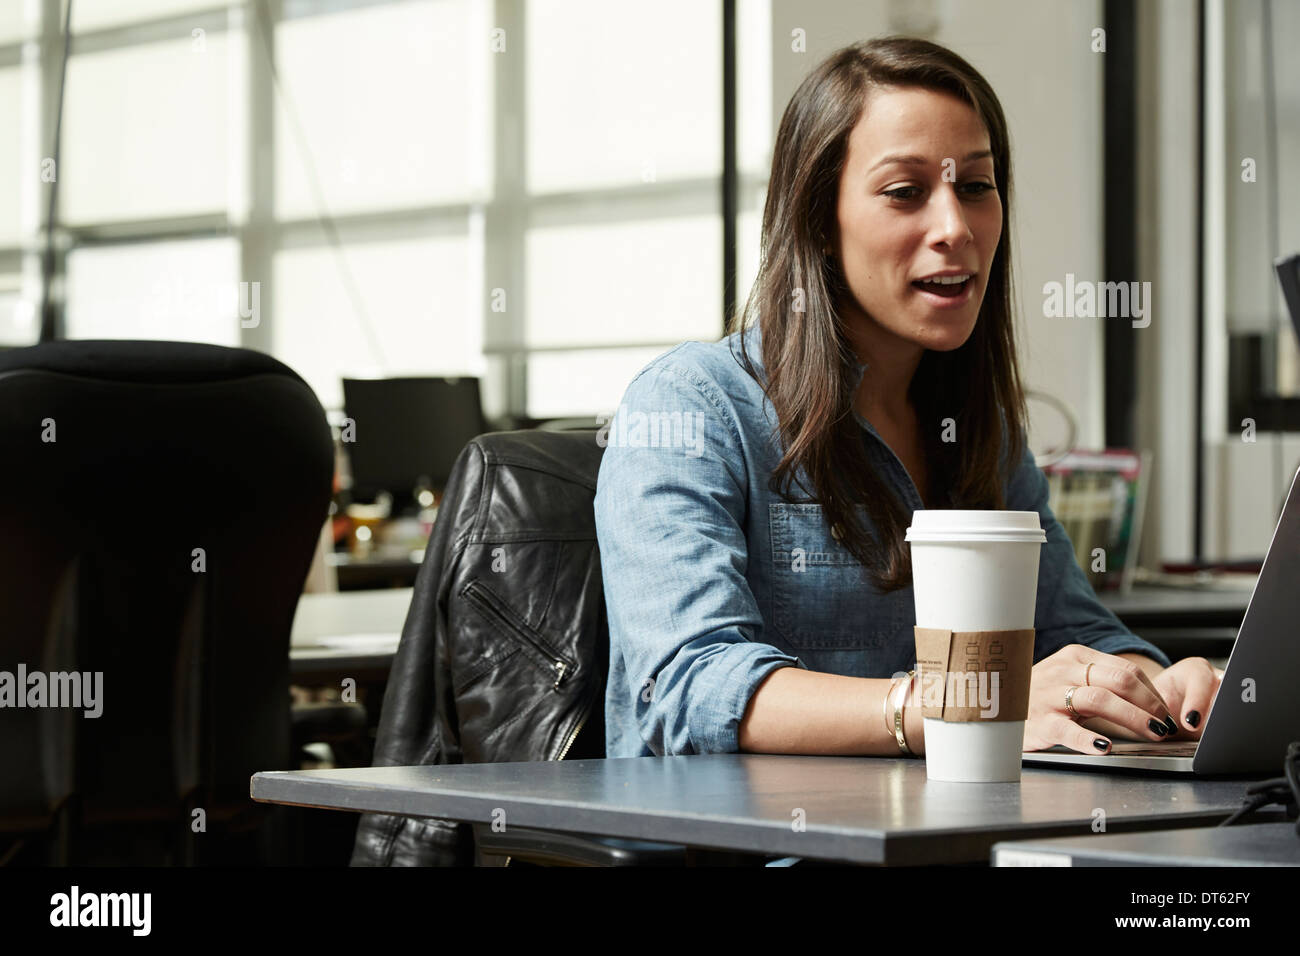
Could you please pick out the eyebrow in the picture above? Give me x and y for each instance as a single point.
(921, 160)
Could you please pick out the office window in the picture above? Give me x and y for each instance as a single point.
(386, 106)
(754, 90)
(624, 238)
(417, 312)
(98, 14)
(749, 229)
(15, 181)
(621, 94)
(753, 133)
(387, 129)
(154, 130)
(633, 281)
(20, 194)
(19, 20)
(580, 384)
(179, 291)
(18, 322)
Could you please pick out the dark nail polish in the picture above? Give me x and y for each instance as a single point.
(1193, 718)
(1169, 722)
(1099, 744)
(1157, 728)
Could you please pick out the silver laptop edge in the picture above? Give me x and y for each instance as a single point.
(1257, 710)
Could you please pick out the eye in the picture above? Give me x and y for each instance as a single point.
(975, 190)
(903, 193)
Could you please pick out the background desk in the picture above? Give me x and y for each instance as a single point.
(1251, 844)
(1191, 607)
(363, 574)
(347, 634)
(1182, 623)
(855, 809)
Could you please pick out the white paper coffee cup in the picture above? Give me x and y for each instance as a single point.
(975, 571)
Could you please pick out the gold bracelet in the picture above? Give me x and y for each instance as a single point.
(884, 704)
(898, 715)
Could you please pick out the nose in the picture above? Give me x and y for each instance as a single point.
(948, 225)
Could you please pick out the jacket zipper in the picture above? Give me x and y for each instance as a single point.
(482, 598)
(573, 735)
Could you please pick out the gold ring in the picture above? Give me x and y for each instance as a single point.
(1069, 701)
(1085, 673)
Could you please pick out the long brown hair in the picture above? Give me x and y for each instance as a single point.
(806, 354)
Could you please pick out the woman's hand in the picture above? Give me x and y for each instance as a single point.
(1189, 687)
(1116, 690)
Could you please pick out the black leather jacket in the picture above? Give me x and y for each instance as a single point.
(505, 647)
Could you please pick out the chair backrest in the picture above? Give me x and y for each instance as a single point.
(159, 507)
(539, 518)
(510, 588)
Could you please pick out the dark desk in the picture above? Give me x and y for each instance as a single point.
(1252, 844)
(316, 666)
(373, 573)
(854, 809)
(1182, 623)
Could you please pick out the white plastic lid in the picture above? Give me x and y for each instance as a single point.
(950, 524)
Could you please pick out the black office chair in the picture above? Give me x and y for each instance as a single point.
(160, 503)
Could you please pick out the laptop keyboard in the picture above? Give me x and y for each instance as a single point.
(1175, 748)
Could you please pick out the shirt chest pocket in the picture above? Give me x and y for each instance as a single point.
(821, 595)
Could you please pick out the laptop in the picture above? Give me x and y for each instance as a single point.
(1257, 710)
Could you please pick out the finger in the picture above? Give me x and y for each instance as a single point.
(1199, 686)
(1128, 666)
(1062, 730)
(1097, 701)
(1100, 725)
(1126, 680)
(1172, 694)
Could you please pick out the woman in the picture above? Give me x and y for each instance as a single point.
(754, 492)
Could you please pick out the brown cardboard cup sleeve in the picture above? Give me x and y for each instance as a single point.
(974, 675)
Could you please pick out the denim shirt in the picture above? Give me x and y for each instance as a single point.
(701, 587)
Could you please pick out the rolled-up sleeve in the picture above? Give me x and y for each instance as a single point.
(1068, 611)
(670, 524)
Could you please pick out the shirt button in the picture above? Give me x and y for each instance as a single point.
(835, 532)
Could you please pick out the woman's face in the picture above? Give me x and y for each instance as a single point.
(917, 200)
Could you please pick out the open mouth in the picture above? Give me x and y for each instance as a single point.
(947, 287)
